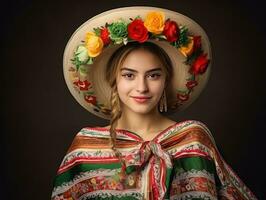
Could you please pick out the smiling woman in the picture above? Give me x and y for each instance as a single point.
(140, 73)
(137, 87)
(134, 73)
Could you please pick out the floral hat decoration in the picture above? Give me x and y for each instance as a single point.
(92, 44)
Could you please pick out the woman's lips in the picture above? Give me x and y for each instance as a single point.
(141, 99)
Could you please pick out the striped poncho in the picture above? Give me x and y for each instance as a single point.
(181, 162)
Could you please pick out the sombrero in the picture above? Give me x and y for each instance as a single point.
(92, 44)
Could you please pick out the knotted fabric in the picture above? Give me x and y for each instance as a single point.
(159, 161)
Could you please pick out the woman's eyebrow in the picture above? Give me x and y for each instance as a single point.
(132, 70)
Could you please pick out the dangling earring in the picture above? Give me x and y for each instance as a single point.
(163, 103)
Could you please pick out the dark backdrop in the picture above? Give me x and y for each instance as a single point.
(40, 117)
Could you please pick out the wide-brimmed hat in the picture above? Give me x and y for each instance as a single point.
(92, 44)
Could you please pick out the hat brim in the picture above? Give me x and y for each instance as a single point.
(96, 71)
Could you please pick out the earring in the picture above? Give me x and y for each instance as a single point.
(163, 102)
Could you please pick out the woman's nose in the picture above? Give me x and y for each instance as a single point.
(142, 85)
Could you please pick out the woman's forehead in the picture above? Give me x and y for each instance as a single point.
(141, 60)
(134, 70)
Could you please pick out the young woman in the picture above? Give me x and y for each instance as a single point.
(142, 153)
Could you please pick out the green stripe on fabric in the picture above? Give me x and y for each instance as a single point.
(197, 163)
(168, 180)
(69, 175)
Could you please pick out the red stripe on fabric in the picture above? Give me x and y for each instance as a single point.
(163, 175)
(155, 190)
(150, 189)
(80, 160)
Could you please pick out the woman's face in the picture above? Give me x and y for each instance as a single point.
(140, 82)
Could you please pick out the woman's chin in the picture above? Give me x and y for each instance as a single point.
(141, 109)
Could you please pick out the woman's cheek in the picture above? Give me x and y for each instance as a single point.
(157, 87)
(123, 87)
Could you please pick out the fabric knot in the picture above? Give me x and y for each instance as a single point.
(151, 153)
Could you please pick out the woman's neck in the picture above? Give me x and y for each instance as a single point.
(143, 123)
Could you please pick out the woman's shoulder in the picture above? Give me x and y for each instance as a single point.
(188, 132)
(93, 131)
(198, 127)
(89, 137)
(193, 123)
(96, 128)
(187, 124)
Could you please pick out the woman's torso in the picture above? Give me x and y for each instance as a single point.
(177, 163)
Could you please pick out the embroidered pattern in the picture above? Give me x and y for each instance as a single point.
(180, 166)
(191, 183)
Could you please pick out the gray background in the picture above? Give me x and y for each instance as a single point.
(40, 117)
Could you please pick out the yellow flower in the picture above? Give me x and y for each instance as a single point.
(187, 50)
(154, 22)
(94, 44)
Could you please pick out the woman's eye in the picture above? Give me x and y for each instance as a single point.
(150, 76)
(128, 76)
(154, 76)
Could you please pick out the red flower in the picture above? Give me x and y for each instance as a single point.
(137, 31)
(197, 42)
(91, 99)
(83, 85)
(105, 36)
(171, 31)
(182, 97)
(191, 84)
(200, 65)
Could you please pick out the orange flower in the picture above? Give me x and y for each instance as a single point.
(188, 49)
(94, 44)
(154, 22)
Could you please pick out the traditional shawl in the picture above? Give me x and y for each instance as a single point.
(181, 162)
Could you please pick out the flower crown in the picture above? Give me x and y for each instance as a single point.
(153, 27)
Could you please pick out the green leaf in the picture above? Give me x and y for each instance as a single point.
(193, 56)
(138, 17)
(97, 31)
(90, 61)
(163, 37)
(83, 70)
(183, 39)
(90, 93)
(191, 78)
